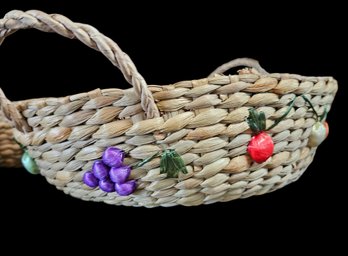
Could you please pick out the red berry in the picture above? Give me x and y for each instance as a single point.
(261, 147)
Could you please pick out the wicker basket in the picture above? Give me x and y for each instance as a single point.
(203, 120)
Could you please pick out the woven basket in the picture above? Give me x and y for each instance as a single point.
(203, 120)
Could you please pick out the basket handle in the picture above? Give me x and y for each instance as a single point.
(16, 20)
(247, 62)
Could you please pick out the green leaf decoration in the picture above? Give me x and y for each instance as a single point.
(172, 163)
(262, 120)
(256, 121)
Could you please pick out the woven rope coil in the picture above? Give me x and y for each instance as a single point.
(203, 120)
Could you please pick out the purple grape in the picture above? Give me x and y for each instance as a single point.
(113, 157)
(100, 170)
(126, 188)
(90, 180)
(120, 174)
(107, 186)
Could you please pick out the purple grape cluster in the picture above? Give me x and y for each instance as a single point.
(110, 174)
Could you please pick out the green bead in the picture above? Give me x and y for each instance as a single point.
(29, 164)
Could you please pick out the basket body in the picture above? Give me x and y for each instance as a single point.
(204, 120)
(10, 151)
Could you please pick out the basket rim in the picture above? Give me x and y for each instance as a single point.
(152, 87)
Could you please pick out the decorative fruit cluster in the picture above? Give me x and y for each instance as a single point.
(261, 145)
(110, 174)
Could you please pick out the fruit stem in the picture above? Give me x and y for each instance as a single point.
(317, 117)
(277, 121)
(324, 115)
(146, 160)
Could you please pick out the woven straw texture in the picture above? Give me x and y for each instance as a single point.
(10, 152)
(203, 120)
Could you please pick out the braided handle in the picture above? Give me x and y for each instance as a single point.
(91, 37)
(247, 62)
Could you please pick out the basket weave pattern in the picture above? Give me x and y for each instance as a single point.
(10, 152)
(203, 120)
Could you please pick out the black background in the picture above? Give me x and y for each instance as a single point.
(169, 43)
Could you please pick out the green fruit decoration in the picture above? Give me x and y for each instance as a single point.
(29, 164)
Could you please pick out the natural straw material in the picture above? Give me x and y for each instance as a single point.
(10, 151)
(203, 120)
